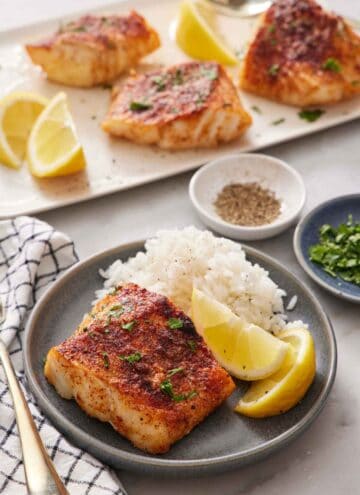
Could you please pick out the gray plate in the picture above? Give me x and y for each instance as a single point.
(225, 439)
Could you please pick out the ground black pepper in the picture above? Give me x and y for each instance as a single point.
(247, 204)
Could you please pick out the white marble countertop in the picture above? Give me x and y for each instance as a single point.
(326, 458)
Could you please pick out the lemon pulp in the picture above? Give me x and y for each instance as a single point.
(285, 388)
(18, 113)
(53, 147)
(196, 37)
(246, 351)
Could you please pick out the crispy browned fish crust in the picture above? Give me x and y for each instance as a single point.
(302, 55)
(187, 105)
(137, 362)
(94, 49)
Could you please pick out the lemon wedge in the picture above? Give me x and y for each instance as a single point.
(286, 387)
(18, 112)
(246, 351)
(53, 146)
(195, 36)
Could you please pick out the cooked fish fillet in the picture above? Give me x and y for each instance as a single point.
(137, 362)
(188, 105)
(302, 55)
(94, 49)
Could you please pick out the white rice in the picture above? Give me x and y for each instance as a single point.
(175, 261)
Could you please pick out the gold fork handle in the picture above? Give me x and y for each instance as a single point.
(41, 476)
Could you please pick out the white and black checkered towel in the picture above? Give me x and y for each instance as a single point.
(32, 255)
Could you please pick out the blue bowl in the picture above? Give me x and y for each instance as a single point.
(333, 212)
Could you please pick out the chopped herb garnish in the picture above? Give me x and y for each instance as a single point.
(174, 323)
(271, 28)
(273, 69)
(278, 121)
(311, 115)
(192, 345)
(256, 109)
(116, 307)
(132, 358)
(332, 64)
(200, 99)
(273, 42)
(139, 106)
(159, 81)
(211, 74)
(85, 329)
(174, 110)
(115, 312)
(355, 83)
(178, 79)
(128, 326)
(167, 387)
(106, 359)
(338, 251)
(173, 372)
(77, 29)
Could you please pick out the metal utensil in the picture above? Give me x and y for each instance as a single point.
(41, 476)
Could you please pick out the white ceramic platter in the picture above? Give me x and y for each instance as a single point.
(114, 164)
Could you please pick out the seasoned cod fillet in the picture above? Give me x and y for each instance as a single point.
(302, 55)
(94, 49)
(137, 362)
(188, 105)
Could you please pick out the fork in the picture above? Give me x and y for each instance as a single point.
(40, 474)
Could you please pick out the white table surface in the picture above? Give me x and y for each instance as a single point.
(326, 458)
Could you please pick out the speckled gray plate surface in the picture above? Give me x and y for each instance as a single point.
(225, 439)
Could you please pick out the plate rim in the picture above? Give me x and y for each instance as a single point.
(157, 465)
(303, 261)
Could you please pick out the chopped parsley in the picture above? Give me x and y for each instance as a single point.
(85, 329)
(271, 28)
(106, 359)
(77, 29)
(116, 307)
(332, 64)
(174, 323)
(273, 69)
(139, 106)
(173, 372)
(355, 83)
(159, 81)
(338, 251)
(131, 358)
(178, 78)
(128, 326)
(278, 121)
(311, 115)
(167, 387)
(211, 74)
(256, 109)
(192, 345)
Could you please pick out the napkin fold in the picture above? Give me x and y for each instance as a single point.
(32, 255)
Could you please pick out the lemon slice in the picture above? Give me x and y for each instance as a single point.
(286, 387)
(197, 39)
(246, 351)
(18, 112)
(53, 147)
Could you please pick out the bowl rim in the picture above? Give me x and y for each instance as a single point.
(243, 228)
(301, 258)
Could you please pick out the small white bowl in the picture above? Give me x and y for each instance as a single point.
(269, 172)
